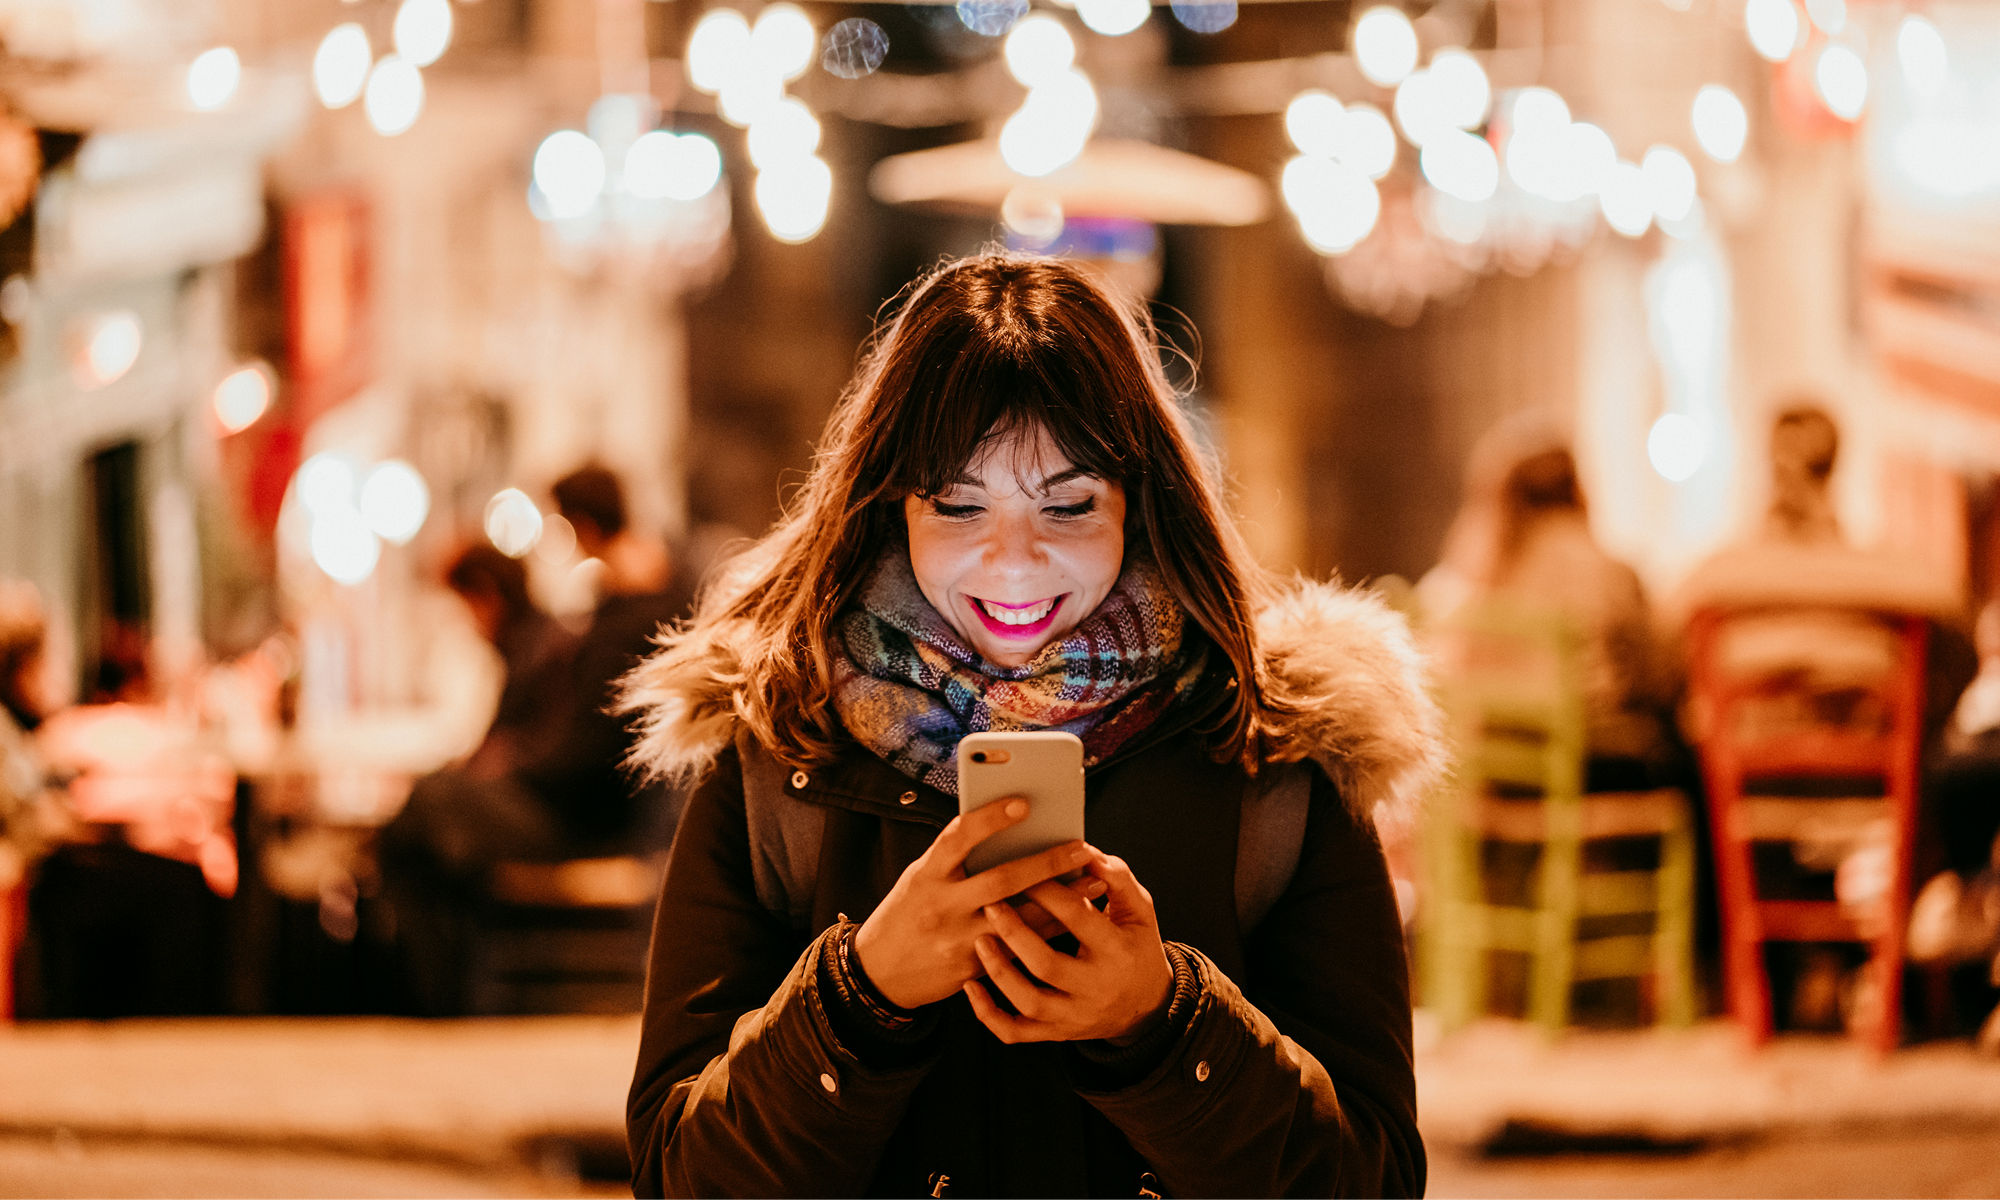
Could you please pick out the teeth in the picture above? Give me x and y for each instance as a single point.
(1018, 616)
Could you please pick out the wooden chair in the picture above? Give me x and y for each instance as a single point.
(1514, 692)
(1778, 770)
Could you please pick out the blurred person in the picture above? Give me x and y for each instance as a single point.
(28, 818)
(1522, 541)
(1010, 526)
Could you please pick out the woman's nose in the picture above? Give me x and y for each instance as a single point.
(1014, 548)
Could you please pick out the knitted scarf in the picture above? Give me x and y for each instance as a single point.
(908, 687)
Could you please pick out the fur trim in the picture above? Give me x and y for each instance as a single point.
(1345, 686)
(1348, 688)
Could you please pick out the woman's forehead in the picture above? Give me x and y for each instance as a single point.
(1028, 457)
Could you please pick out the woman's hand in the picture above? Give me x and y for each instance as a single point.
(917, 946)
(1118, 982)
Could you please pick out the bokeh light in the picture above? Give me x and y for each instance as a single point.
(326, 482)
(794, 196)
(513, 523)
(1366, 141)
(718, 49)
(1721, 126)
(1841, 79)
(212, 78)
(1385, 45)
(395, 96)
(1113, 18)
(991, 18)
(1676, 446)
(395, 501)
(1205, 16)
(569, 171)
(1625, 200)
(242, 396)
(1920, 50)
(1313, 121)
(787, 130)
(783, 40)
(340, 65)
(107, 346)
(1463, 92)
(854, 48)
(1461, 165)
(1039, 49)
(1670, 183)
(1773, 26)
(422, 31)
(343, 546)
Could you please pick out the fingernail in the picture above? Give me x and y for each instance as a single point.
(1079, 856)
(1097, 888)
(1017, 808)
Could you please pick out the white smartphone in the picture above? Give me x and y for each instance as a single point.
(1045, 768)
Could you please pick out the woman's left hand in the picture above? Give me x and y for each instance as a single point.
(1117, 983)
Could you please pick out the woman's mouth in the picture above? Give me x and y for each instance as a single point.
(1016, 620)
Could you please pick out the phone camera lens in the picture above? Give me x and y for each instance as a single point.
(979, 756)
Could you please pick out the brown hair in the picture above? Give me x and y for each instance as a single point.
(981, 348)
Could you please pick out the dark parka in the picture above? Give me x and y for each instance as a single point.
(1292, 1075)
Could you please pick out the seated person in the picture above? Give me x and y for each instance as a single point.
(1522, 541)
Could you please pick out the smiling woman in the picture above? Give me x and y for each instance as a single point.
(1009, 528)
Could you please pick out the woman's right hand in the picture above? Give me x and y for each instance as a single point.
(917, 946)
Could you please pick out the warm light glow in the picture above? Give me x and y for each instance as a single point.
(783, 40)
(513, 523)
(1313, 121)
(1461, 165)
(1626, 202)
(1039, 49)
(395, 96)
(1113, 17)
(854, 48)
(1921, 50)
(1828, 16)
(1670, 183)
(664, 165)
(1051, 128)
(1420, 109)
(423, 30)
(326, 483)
(1033, 214)
(793, 198)
(569, 172)
(1720, 124)
(718, 49)
(212, 78)
(1676, 446)
(1385, 45)
(749, 94)
(395, 500)
(1335, 204)
(340, 66)
(1773, 26)
(108, 348)
(1464, 94)
(787, 130)
(242, 396)
(557, 544)
(343, 546)
(1366, 141)
(1537, 109)
(1841, 79)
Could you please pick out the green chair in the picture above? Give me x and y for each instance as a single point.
(1512, 683)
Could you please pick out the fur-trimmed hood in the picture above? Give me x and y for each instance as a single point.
(1347, 684)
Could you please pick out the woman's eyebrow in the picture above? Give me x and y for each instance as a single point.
(1061, 477)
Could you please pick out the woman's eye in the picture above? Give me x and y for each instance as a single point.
(1068, 511)
(956, 512)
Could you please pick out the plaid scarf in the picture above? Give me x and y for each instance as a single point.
(908, 687)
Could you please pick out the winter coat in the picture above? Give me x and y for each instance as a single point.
(1292, 1077)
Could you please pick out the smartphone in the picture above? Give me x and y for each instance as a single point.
(1045, 768)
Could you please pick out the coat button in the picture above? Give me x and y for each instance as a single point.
(907, 798)
(1200, 1072)
(800, 779)
(826, 1081)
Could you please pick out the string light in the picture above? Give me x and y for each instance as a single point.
(1720, 124)
(1385, 45)
(340, 65)
(212, 78)
(1841, 79)
(1773, 26)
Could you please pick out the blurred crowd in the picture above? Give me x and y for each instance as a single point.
(124, 815)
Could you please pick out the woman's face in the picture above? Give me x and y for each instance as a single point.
(1019, 549)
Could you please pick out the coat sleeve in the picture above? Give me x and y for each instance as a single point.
(1297, 1080)
(741, 1087)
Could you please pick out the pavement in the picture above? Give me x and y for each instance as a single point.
(509, 1090)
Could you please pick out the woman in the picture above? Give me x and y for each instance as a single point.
(1008, 527)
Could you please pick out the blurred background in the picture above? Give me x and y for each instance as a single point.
(375, 375)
